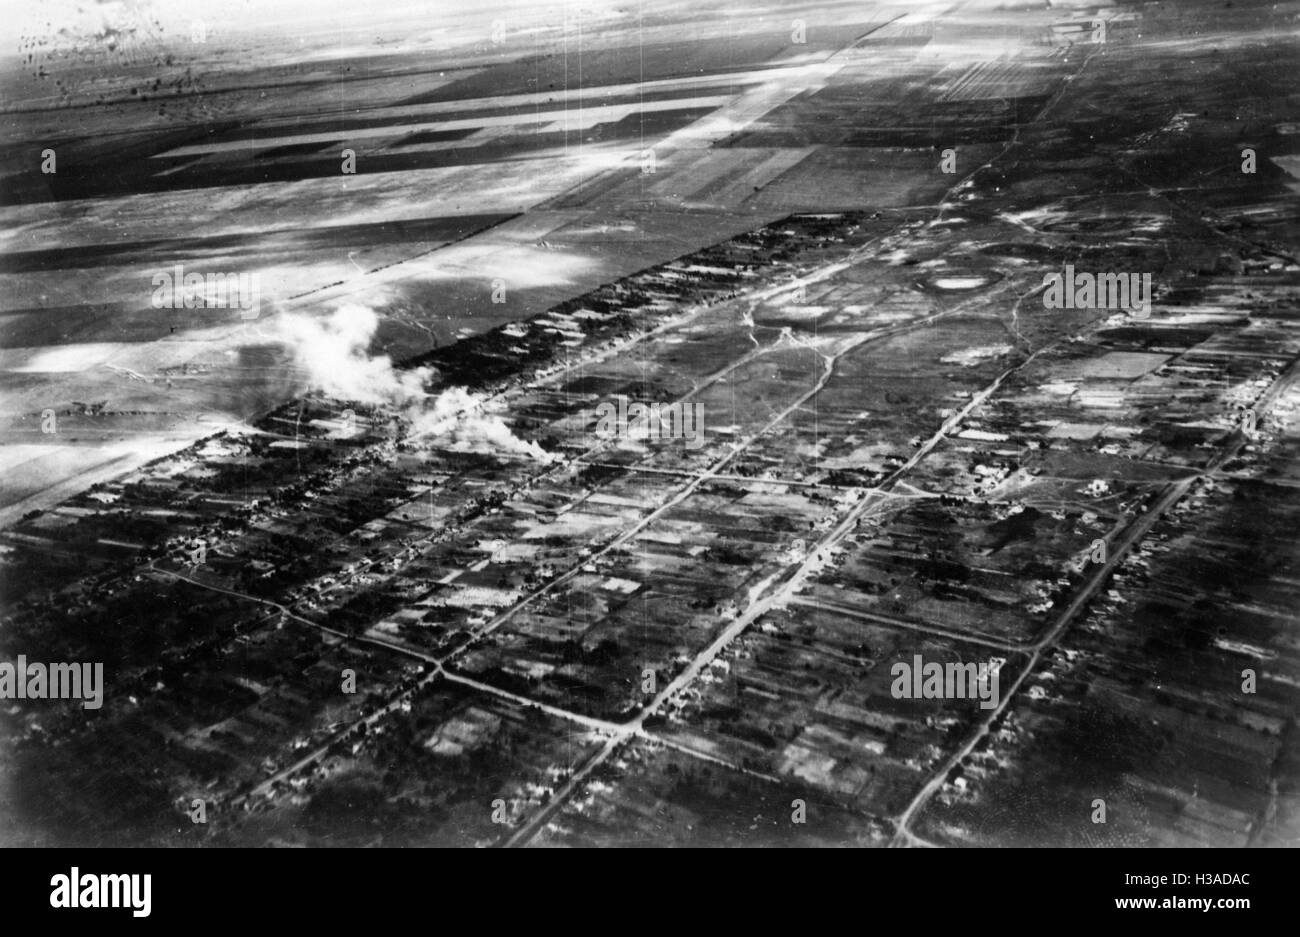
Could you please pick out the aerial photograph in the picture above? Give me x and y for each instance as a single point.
(650, 423)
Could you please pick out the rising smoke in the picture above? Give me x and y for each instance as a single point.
(461, 415)
(335, 356)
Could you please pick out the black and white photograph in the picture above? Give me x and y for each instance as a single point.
(650, 423)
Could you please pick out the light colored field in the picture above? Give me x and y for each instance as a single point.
(1124, 365)
(505, 187)
(552, 121)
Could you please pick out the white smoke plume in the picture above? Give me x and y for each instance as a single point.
(460, 414)
(335, 354)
